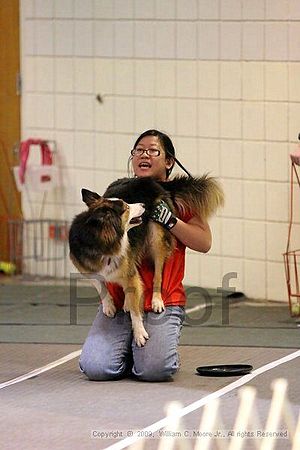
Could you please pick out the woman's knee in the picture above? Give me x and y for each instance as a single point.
(97, 371)
(155, 371)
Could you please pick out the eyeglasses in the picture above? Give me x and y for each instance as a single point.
(149, 151)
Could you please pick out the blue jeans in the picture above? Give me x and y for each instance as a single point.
(110, 352)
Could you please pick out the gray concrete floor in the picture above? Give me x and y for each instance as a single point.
(60, 408)
(42, 313)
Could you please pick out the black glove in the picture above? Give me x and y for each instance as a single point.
(163, 215)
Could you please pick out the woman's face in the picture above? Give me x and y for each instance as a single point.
(151, 166)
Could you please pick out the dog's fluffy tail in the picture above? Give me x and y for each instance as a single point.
(199, 195)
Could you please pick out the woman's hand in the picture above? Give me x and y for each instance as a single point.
(195, 234)
(163, 215)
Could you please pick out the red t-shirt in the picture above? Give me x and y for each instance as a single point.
(173, 272)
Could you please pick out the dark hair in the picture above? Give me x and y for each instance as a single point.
(166, 143)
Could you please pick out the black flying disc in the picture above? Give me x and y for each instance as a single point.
(227, 370)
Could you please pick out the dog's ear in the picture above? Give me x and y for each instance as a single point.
(89, 197)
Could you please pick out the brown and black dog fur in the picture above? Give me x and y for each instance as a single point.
(112, 237)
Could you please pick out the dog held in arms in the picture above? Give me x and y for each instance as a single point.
(111, 238)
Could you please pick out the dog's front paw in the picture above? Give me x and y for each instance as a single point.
(109, 308)
(126, 307)
(157, 304)
(141, 336)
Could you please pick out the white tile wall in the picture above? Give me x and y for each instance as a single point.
(209, 157)
(294, 41)
(211, 271)
(104, 115)
(84, 150)
(104, 9)
(124, 114)
(253, 121)
(83, 10)
(221, 77)
(233, 190)
(187, 153)
(165, 78)
(276, 79)
(253, 10)
(83, 38)
(144, 77)
(124, 85)
(83, 75)
(104, 38)
(231, 119)
(276, 284)
(44, 72)
(254, 160)
(293, 123)
(208, 118)
(230, 37)
(186, 40)
(255, 279)
(208, 79)
(43, 8)
(276, 41)
(144, 113)
(208, 9)
(44, 111)
(276, 121)
(63, 37)
(277, 195)
(276, 240)
(165, 9)
(276, 157)
(208, 40)
(165, 115)
(293, 82)
(64, 75)
(231, 10)
(253, 209)
(186, 118)
(63, 9)
(230, 80)
(253, 39)
(277, 9)
(186, 78)
(187, 10)
(144, 39)
(104, 154)
(124, 40)
(232, 237)
(64, 112)
(254, 234)
(231, 159)
(294, 10)
(44, 37)
(65, 145)
(143, 9)
(253, 81)
(165, 43)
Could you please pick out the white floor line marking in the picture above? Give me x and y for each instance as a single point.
(203, 401)
(36, 372)
(195, 308)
